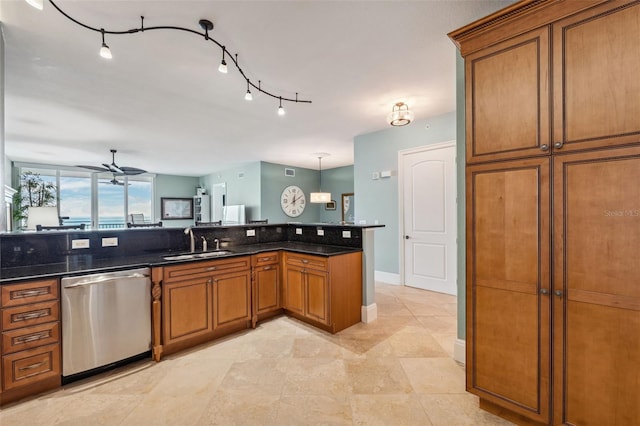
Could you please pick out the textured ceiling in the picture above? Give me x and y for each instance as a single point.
(162, 103)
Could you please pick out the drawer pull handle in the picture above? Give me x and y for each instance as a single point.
(305, 261)
(211, 268)
(32, 366)
(28, 293)
(32, 337)
(266, 268)
(264, 259)
(31, 315)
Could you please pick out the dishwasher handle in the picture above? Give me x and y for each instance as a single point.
(105, 279)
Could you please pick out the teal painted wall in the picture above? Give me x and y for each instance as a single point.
(462, 239)
(174, 186)
(338, 181)
(273, 182)
(378, 199)
(243, 187)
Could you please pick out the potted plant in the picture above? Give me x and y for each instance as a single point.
(32, 191)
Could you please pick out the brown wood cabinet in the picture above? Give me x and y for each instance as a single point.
(267, 291)
(200, 298)
(30, 344)
(553, 132)
(327, 291)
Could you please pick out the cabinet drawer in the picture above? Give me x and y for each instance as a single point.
(28, 315)
(268, 258)
(200, 269)
(30, 292)
(26, 367)
(30, 337)
(314, 262)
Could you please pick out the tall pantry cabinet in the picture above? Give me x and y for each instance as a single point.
(553, 211)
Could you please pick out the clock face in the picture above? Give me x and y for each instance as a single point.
(293, 201)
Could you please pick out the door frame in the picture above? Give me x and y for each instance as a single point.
(401, 155)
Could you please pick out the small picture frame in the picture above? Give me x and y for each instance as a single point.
(331, 205)
(176, 208)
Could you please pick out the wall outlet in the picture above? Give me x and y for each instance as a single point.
(362, 222)
(251, 232)
(79, 244)
(298, 231)
(346, 234)
(376, 222)
(385, 174)
(110, 242)
(321, 232)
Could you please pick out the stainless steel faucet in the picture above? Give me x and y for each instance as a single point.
(204, 243)
(189, 231)
(217, 241)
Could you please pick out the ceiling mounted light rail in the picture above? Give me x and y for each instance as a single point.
(400, 115)
(320, 197)
(206, 26)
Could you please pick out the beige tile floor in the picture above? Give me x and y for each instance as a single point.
(397, 370)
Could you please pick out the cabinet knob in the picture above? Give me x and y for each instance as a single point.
(558, 145)
(558, 293)
(544, 147)
(544, 291)
(406, 237)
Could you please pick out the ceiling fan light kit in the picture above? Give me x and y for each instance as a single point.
(206, 26)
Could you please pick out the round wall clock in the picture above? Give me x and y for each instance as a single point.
(293, 201)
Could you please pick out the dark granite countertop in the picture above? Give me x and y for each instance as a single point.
(87, 264)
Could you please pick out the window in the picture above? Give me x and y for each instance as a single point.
(99, 200)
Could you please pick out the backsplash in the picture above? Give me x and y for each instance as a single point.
(27, 249)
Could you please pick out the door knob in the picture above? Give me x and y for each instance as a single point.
(406, 237)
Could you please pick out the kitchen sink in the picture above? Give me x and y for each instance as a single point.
(203, 255)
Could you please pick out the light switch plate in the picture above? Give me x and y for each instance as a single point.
(298, 231)
(251, 232)
(346, 234)
(110, 242)
(321, 232)
(79, 244)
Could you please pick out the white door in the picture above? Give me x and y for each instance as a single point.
(429, 218)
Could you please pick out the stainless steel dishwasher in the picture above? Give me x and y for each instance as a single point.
(106, 318)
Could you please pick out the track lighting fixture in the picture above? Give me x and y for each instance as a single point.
(400, 115)
(105, 52)
(248, 96)
(38, 4)
(206, 26)
(223, 65)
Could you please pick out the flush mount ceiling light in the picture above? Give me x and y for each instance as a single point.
(320, 197)
(206, 26)
(400, 115)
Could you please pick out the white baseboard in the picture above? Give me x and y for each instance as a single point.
(460, 351)
(369, 313)
(387, 277)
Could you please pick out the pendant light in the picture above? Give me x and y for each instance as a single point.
(320, 197)
(105, 52)
(400, 115)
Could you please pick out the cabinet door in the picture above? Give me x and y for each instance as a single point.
(267, 293)
(294, 294)
(317, 300)
(186, 307)
(596, 86)
(508, 282)
(231, 298)
(597, 287)
(507, 102)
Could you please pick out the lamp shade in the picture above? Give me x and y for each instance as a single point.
(320, 197)
(400, 115)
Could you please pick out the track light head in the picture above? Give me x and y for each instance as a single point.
(105, 52)
(280, 109)
(223, 65)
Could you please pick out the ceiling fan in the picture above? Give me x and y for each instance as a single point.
(115, 169)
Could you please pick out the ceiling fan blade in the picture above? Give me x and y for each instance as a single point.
(94, 168)
(132, 170)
